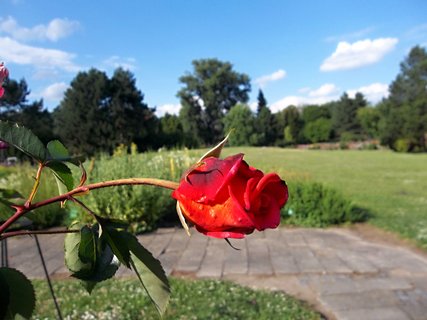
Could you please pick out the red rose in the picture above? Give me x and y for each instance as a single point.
(4, 73)
(226, 198)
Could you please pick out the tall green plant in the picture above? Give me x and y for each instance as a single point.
(142, 208)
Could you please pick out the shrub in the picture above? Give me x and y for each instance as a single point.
(22, 180)
(318, 130)
(144, 207)
(314, 205)
(404, 145)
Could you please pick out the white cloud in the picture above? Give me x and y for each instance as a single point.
(358, 54)
(168, 108)
(277, 75)
(348, 36)
(117, 62)
(330, 92)
(41, 58)
(304, 90)
(54, 92)
(53, 31)
(373, 92)
(325, 93)
(253, 106)
(324, 90)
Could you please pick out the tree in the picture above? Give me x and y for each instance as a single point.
(130, 118)
(262, 102)
(344, 115)
(37, 119)
(311, 113)
(15, 107)
(241, 120)
(263, 123)
(191, 121)
(318, 130)
(369, 119)
(171, 131)
(97, 114)
(288, 125)
(80, 120)
(14, 99)
(209, 92)
(404, 113)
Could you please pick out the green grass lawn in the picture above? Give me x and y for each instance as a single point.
(392, 186)
(202, 299)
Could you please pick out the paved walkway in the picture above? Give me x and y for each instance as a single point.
(341, 274)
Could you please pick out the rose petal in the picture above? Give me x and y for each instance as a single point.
(223, 235)
(204, 182)
(268, 213)
(227, 216)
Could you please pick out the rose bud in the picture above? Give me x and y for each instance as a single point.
(226, 198)
(4, 73)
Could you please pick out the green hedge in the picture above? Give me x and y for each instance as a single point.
(144, 207)
(312, 204)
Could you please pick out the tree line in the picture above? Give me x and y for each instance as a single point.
(99, 113)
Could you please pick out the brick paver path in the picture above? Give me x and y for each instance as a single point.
(341, 274)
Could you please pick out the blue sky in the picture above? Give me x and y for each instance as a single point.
(298, 52)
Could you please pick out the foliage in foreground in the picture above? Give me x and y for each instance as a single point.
(22, 180)
(202, 299)
(92, 253)
(315, 205)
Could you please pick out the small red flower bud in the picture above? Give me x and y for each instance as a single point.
(4, 73)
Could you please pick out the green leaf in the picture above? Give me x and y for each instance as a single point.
(88, 245)
(63, 176)
(89, 257)
(106, 267)
(150, 273)
(10, 194)
(116, 239)
(23, 139)
(6, 211)
(4, 297)
(73, 261)
(57, 150)
(21, 297)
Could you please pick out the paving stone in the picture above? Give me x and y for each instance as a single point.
(258, 257)
(356, 262)
(331, 262)
(328, 284)
(174, 250)
(213, 260)
(365, 300)
(293, 238)
(191, 258)
(391, 313)
(236, 261)
(160, 242)
(413, 302)
(306, 260)
(342, 274)
(282, 259)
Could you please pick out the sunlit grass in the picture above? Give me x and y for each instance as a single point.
(202, 299)
(393, 186)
